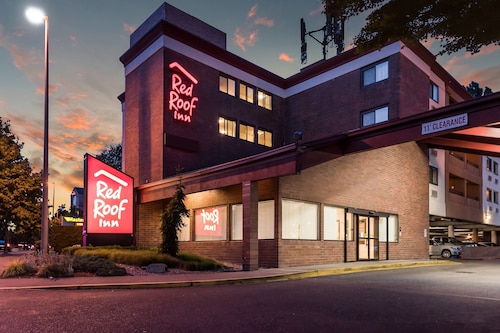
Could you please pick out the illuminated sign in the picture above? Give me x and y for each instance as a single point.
(109, 199)
(445, 124)
(181, 100)
(209, 221)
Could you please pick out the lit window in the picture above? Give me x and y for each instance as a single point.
(376, 73)
(265, 138)
(375, 116)
(388, 226)
(488, 194)
(335, 226)
(434, 92)
(300, 220)
(246, 93)
(247, 133)
(489, 163)
(227, 127)
(265, 100)
(433, 175)
(265, 220)
(227, 85)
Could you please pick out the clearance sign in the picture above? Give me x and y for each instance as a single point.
(109, 199)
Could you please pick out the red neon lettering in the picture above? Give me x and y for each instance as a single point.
(181, 100)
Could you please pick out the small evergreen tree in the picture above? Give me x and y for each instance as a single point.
(171, 221)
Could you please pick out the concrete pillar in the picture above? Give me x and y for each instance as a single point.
(474, 235)
(250, 198)
(494, 236)
(451, 231)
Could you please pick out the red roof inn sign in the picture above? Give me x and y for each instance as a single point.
(445, 124)
(109, 199)
(181, 100)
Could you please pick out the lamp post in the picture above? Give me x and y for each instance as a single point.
(37, 16)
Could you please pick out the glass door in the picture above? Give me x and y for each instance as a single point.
(367, 237)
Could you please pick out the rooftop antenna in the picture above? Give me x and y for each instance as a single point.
(333, 33)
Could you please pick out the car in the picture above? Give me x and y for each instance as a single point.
(486, 244)
(445, 250)
(2, 245)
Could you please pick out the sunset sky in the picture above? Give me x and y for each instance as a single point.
(88, 37)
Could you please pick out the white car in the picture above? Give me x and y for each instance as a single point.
(444, 250)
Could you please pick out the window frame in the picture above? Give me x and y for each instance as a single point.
(433, 175)
(293, 229)
(374, 112)
(246, 127)
(224, 123)
(267, 142)
(245, 88)
(434, 92)
(264, 99)
(375, 67)
(228, 80)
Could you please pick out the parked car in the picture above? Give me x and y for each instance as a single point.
(445, 250)
(445, 240)
(486, 244)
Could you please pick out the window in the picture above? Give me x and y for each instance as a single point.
(227, 85)
(266, 220)
(184, 234)
(433, 175)
(489, 163)
(210, 224)
(265, 138)
(434, 92)
(495, 197)
(335, 226)
(375, 116)
(227, 127)
(299, 220)
(495, 168)
(488, 194)
(246, 93)
(391, 222)
(376, 73)
(247, 133)
(264, 100)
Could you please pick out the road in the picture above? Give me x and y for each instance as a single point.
(445, 298)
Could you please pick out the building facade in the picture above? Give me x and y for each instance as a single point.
(279, 172)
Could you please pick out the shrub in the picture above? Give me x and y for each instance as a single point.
(18, 268)
(62, 237)
(97, 265)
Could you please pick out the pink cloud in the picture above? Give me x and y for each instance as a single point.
(252, 11)
(77, 119)
(244, 40)
(286, 57)
(264, 21)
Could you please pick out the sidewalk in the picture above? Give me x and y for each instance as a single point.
(190, 279)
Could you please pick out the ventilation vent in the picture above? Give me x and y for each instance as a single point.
(434, 152)
(434, 194)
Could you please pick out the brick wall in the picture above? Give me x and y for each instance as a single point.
(391, 180)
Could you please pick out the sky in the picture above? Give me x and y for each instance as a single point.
(86, 39)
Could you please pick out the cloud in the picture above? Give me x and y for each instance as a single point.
(286, 57)
(252, 11)
(247, 36)
(243, 40)
(128, 28)
(21, 59)
(76, 119)
(264, 21)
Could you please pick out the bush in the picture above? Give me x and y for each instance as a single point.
(97, 265)
(18, 268)
(62, 237)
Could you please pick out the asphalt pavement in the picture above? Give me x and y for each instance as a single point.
(189, 279)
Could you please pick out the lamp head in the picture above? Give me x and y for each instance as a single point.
(35, 15)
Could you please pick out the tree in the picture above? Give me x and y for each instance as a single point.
(112, 155)
(20, 188)
(171, 221)
(476, 91)
(457, 24)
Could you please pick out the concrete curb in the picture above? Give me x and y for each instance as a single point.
(218, 280)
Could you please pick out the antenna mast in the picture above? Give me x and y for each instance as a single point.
(333, 33)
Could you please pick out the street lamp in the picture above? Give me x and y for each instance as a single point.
(37, 16)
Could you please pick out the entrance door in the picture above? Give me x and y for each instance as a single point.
(367, 237)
